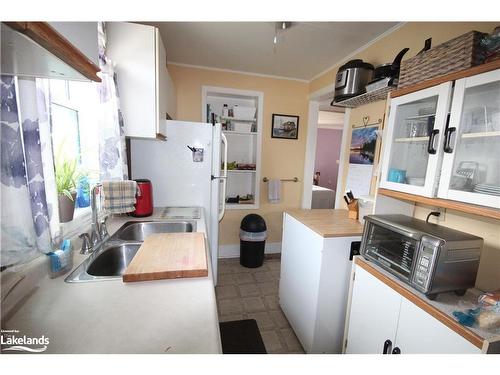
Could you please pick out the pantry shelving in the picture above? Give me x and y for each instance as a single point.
(244, 138)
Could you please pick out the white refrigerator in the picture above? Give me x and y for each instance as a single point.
(181, 177)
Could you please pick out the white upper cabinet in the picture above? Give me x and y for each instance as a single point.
(147, 93)
(436, 146)
(412, 155)
(471, 162)
(83, 35)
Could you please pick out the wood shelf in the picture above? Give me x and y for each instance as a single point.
(484, 211)
(47, 37)
(481, 135)
(412, 139)
(483, 68)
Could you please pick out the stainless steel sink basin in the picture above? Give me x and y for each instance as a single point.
(138, 231)
(108, 263)
(111, 261)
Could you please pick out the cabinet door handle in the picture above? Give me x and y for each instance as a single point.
(430, 146)
(447, 139)
(387, 347)
(396, 350)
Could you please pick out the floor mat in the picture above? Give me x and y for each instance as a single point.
(241, 337)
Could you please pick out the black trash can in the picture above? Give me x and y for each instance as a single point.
(253, 234)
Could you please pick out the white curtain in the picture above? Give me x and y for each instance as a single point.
(29, 214)
(113, 156)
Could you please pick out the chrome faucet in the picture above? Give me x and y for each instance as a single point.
(98, 231)
(86, 247)
(95, 233)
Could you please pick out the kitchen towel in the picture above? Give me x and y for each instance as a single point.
(119, 196)
(274, 190)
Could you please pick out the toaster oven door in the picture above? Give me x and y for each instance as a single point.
(391, 249)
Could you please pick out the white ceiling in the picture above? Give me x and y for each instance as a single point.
(303, 51)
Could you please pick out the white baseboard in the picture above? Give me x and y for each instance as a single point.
(233, 251)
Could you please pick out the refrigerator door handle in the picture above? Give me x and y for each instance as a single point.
(224, 179)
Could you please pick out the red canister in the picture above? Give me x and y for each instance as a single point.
(144, 197)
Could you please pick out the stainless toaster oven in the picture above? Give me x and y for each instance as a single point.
(429, 257)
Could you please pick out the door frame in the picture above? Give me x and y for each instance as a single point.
(312, 134)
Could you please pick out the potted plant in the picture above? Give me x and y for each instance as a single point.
(66, 177)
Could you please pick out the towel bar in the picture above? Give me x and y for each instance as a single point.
(295, 179)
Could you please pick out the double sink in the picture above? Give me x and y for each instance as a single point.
(113, 258)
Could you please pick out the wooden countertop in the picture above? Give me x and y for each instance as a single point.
(328, 223)
(441, 308)
(169, 256)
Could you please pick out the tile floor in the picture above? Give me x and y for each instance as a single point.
(252, 293)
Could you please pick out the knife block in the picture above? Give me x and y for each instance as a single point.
(353, 208)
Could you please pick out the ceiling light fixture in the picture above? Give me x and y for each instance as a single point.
(279, 28)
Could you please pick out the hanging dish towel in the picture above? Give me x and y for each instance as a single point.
(274, 190)
(119, 196)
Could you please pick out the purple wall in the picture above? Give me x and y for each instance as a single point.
(327, 154)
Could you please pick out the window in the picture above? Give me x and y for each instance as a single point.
(75, 130)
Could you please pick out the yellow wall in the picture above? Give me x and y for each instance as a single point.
(488, 277)
(280, 158)
(412, 35)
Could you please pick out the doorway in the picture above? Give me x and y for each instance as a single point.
(327, 156)
(324, 157)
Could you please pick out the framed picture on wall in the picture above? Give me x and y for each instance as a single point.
(285, 126)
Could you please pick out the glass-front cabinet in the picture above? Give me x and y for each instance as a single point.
(446, 146)
(415, 129)
(471, 147)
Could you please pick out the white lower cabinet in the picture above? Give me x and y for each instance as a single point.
(380, 319)
(314, 284)
(418, 332)
(373, 315)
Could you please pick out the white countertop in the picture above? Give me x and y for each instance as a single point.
(165, 316)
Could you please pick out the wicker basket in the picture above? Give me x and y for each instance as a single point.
(457, 54)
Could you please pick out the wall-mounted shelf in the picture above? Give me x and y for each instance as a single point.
(369, 97)
(444, 203)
